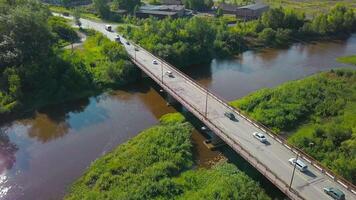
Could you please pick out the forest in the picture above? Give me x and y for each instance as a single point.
(317, 113)
(35, 70)
(158, 164)
(189, 41)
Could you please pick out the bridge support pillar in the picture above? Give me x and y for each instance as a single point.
(143, 74)
(170, 99)
(214, 141)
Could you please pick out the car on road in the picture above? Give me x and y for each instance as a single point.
(334, 193)
(136, 49)
(230, 115)
(108, 28)
(154, 62)
(299, 164)
(127, 43)
(260, 137)
(117, 38)
(169, 74)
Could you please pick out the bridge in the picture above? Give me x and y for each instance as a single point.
(270, 159)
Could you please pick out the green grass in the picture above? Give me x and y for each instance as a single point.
(319, 114)
(310, 7)
(347, 59)
(157, 164)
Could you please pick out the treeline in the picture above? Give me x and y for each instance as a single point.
(190, 41)
(279, 26)
(319, 111)
(157, 164)
(185, 41)
(34, 70)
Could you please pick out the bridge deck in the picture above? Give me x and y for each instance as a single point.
(271, 159)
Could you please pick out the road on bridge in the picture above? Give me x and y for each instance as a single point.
(238, 134)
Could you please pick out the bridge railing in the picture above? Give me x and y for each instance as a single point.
(343, 182)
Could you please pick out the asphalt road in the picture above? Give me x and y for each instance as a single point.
(274, 155)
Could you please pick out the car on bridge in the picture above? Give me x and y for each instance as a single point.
(108, 28)
(334, 193)
(154, 62)
(117, 38)
(169, 74)
(260, 137)
(231, 116)
(299, 164)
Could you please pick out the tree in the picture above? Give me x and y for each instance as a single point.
(128, 5)
(76, 15)
(102, 8)
(219, 12)
(267, 36)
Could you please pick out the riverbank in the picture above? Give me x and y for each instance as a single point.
(190, 41)
(317, 114)
(157, 164)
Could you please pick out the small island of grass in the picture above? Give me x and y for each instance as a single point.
(158, 164)
(347, 59)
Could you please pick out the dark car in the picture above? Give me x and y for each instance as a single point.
(334, 193)
(230, 115)
(128, 43)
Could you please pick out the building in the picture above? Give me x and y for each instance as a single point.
(161, 11)
(171, 2)
(253, 11)
(228, 8)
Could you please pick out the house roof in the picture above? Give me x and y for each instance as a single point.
(162, 7)
(228, 7)
(172, 2)
(256, 6)
(157, 12)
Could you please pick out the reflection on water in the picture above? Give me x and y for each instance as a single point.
(42, 154)
(3, 188)
(235, 78)
(7, 152)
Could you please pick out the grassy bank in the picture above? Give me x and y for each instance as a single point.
(157, 164)
(35, 69)
(189, 41)
(310, 7)
(347, 59)
(319, 114)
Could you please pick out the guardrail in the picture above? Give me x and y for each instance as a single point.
(346, 184)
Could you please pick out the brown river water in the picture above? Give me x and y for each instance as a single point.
(42, 154)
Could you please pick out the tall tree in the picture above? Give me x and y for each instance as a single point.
(128, 5)
(76, 15)
(102, 8)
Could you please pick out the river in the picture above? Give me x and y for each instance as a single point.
(41, 154)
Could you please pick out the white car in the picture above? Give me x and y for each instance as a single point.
(169, 74)
(259, 136)
(299, 164)
(108, 28)
(155, 62)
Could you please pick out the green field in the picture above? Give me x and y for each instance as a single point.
(158, 164)
(310, 7)
(318, 114)
(347, 59)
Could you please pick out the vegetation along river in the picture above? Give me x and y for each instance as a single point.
(43, 153)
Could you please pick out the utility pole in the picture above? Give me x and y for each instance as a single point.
(295, 165)
(206, 103)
